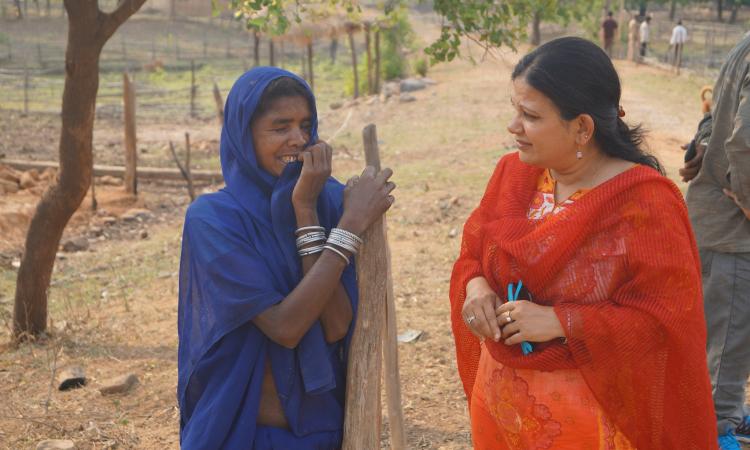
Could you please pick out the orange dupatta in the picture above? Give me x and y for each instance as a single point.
(621, 269)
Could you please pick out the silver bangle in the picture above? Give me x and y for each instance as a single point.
(349, 246)
(348, 234)
(310, 250)
(310, 228)
(338, 252)
(309, 238)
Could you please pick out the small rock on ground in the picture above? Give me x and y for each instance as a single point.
(406, 98)
(78, 244)
(70, 378)
(412, 84)
(119, 385)
(56, 444)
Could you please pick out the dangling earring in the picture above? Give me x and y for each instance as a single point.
(579, 154)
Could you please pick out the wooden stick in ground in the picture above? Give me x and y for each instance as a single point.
(377, 60)
(390, 342)
(310, 64)
(131, 156)
(184, 170)
(193, 88)
(350, 32)
(363, 414)
(369, 59)
(219, 103)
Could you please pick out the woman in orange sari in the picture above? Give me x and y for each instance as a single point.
(582, 227)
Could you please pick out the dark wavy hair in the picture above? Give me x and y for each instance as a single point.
(579, 78)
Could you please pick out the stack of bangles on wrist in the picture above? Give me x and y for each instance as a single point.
(312, 240)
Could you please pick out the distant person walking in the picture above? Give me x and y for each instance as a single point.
(633, 38)
(609, 27)
(677, 42)
(644, 35)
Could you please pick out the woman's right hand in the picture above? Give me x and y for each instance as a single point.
(366, 198)
(479, 309)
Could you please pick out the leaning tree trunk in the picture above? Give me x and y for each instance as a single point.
(88, 31)
(536, 33)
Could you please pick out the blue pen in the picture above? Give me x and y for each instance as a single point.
(526, 347)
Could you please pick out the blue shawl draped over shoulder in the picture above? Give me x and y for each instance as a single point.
(238, 259)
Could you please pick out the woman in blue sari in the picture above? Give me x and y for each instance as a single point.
(268, 292)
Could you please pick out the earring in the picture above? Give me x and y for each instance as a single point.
(579, 154)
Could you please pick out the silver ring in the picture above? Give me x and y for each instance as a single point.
(471, 319)
(508, 319)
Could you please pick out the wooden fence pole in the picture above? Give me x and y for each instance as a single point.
(369, 58)
(193, 88)
(271, 56)
(311, 78)
(25, 90)
(377, 60)
(362, 420)
(353, 49)
(131, 156)
(256, 47)
(219, 104)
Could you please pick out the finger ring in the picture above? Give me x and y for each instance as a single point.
(471, 319)
(508, 319)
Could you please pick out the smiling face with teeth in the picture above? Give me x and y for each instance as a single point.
(281, 132)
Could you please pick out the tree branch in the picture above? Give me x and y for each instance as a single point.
(124, 10)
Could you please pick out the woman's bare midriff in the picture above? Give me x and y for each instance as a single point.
(270, 412)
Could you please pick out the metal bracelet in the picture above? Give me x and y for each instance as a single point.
(347, 233)
(310, 250)
(310, 228)
(309, 238)
(338, 252)
(350, 246)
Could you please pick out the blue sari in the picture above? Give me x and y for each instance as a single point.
(239, 258)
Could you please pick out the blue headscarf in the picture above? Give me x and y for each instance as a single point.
(238, 259)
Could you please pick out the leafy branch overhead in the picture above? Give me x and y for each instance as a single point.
(490, 23)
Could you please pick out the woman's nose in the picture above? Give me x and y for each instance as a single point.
(298, 137)
(514, 126)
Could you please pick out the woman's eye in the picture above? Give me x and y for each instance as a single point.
(280, 130)
(529, 116)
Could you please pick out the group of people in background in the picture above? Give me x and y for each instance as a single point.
(639, 37)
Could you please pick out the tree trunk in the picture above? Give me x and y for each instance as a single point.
(369, 59)
(271, 59)
(88, 31)
(536, 34)
(735, 10)
(19, 11)
(354, 63)
(311, 76)
(377, 60)
(256, 48)
(333, 49)
(672, 9)
(720, 10)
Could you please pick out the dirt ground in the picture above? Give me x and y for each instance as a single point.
(113, 308)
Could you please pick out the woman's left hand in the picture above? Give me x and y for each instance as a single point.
(528, 322)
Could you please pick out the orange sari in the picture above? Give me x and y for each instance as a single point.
(620, 267)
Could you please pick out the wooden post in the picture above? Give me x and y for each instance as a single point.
(369, 59)
(193, 88)
(184, 170)
(131, 156)
(377, 60)
(350, 32)
(271, 55)
(390, 341)
(311, 76)
(362, 420)
(219, 104)
(25, 90)
(256, 46)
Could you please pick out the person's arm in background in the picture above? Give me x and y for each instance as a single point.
(737, 149)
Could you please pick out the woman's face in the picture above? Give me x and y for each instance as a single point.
(544, 139)
(281, 133)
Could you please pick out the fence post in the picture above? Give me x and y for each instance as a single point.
(350, 32)
(219, 104)
(193, 88)
(131, 156)
(25, 90)
(369, 59)
(377, 59)
(310, 64)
